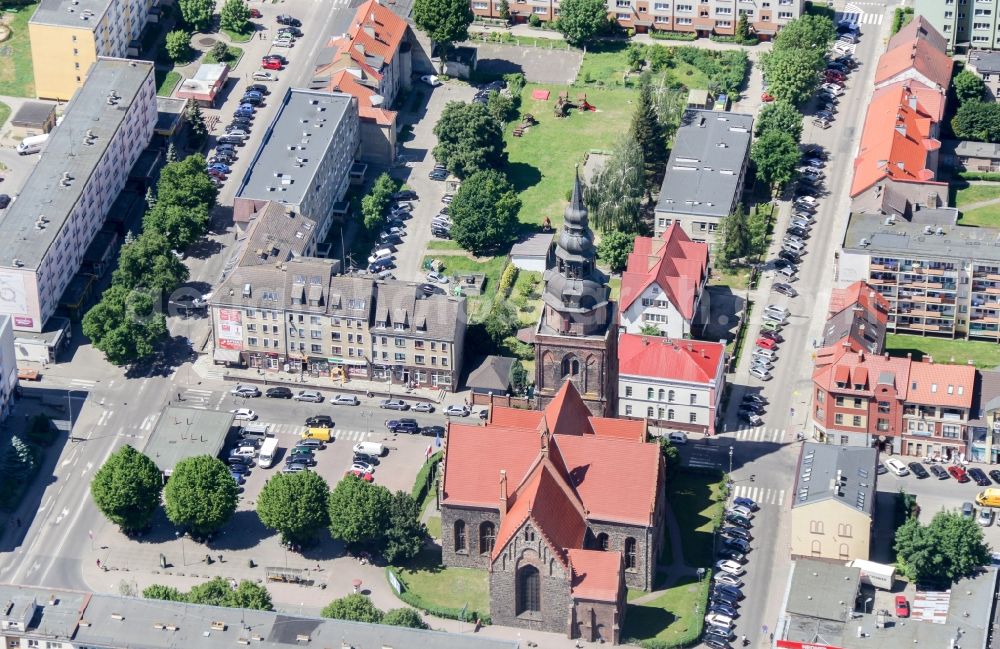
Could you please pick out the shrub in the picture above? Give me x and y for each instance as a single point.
(534, 21)
(507, 279)
(425, 478)
(673, 36)
(979, 175)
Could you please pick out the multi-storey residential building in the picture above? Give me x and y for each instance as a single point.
(705, 173)
(965, 24)
(305, 160)
(706, 18)
(64, 201)
(68, 36)
(8, 366)
(61, 619)
(833, 509)
(417, 339)
(663, 284)
(276, 234)
(674, 384)
(987, 66)
(371, 62)
(856, 319)
(917, 52)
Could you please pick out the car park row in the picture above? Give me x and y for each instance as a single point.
(726, 590)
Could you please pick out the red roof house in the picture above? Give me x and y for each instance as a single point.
(856, 317)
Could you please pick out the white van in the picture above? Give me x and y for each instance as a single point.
(32, 144)
(380, 253)
(896, 467)
(795, 245)
(370, 448)
(677, 437)
(268, 453)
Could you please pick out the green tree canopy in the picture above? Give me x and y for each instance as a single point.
(125, 324)
(484, 212)
(977, 120)
(407, 617)
(359, 511)
(181, 226)
(127, 488)
(216, 592)
(404, 536)
(792, 74)
(950, 547)
(776, 155)
(376, 201)
(809, 32)
(649, 133)
(19, 460)
(197, 14)
(445, 21)
(501, 107)
(249, 594)
(500, 322)
(167, 593)
(733, 240)
(149, 262)
(743, 29)
(295, 505)
(779, 116)
(581, 20)
(185, 183)
(614, 195)
(200, 495)
(968, 86)
(469, 139)
(614, 249)
(178, 45)
(355, 607)
(235, 16)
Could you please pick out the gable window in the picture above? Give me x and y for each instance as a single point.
(460, 541)
(630, 554)
(529, 534)
(487, 536)
(528, 590)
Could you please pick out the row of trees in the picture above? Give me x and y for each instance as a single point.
(201, 497)
(775, 151)
(216, 592)
(358, 608)
(793, 66)
(978, 116)
(196, 16)
(127, 322)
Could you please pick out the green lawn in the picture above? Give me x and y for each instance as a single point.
(608, 66)
(527, 297)
(442, 244)
(615, 284)
(735, 278)
(541, 163)
(235, 54)
(17, 78)
(674, 618)
(697, 502)
(448, 587)
(237, 37)
(976, 193)
(434, 527)
(982, 217)
(166, 81)
(984, 355)
(460, 264)
(4, 113)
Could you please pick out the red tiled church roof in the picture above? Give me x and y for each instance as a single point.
(675, 263)
(596, 574)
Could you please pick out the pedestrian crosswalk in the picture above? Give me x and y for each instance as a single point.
(758, 434)
(855, 14)
(338, 433)
(82, 384)
(201, 399)
(760, 495)
(871, 19)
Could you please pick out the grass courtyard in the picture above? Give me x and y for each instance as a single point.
(458, 264)
(985, 355)
(673, 619)
(697, 500)
(17, 78)
(425, 578)
(987, 216)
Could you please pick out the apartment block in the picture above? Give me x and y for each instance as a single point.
(704, 179)
(8, 366)
(965, 24)
(765, 17)
(305, 160)
(987, 65)
(68, 36)
(65, 200)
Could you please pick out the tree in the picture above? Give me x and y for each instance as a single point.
(178, 44)
(404, 617)
(171, 152)
(614, 249)
(648, 132)
(167, 593)
(150, 198)
(950, 547)
(180, 226)
(250, 595)
(500, 107)
(127, 488)
(809, 32)
(635, 56)
(214, 592)
(197, 14)
(355, 607)
(650, 330)
(968, 86)
(125, 324)
(358, 511)
(733, 239)
(779, 116)
(977, 120)
(757, 224)
(518, 377)
(503, 9)
(376, 201)
(149, 263)
(500, 322)
(19, 460)
(776, 155)
(469, 139)
(792, 74)
(743, 29)
(445, 21)
(194, 116)
(670, 454)
(484, 212)
(219, 52)
(581, 20)
(614, 195)
(404, 536)
(668, 104)
(294, 505)
(186, 183)
(200, 495)
(235, 16)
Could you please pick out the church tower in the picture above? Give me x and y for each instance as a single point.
(575, 339)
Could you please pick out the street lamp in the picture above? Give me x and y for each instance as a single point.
(867, 602)
(183, 554)
(730, 461)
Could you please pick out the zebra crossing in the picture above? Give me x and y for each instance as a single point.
(759, 434)
(82, 384)
(760, 495)
(338, 433)
(856, 14)
(201, 399)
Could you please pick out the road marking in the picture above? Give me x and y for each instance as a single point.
(61, 516)
(45, 504)
(195, 390)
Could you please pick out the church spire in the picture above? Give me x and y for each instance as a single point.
(576, 212)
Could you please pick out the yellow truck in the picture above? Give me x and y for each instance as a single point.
(988, 497)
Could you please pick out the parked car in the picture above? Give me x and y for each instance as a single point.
(244, 414)
(300, 458)
(986, 516)
(311, 443)
(939, 472)
(785, 289)
(394, 404)
(431, 80)
(381, 265)
(279, 393)
(766, 343)
(739, 521)
(726, 578)
(737, 533)
(265, 75)
(456, 410)
(320, 421)
(312, 396)
(285, 19)
(404, 195)
(298, 467)
(291, 29)
(737, 544)
(958, 473)
(245, 391)
(731, 591)
(979, 477)
(722, 608)
(422, 406)
(433, 431)
(743, 511)
(995, 474)
(435, 276)
(729, 553)
(902, 606)
(918, 470)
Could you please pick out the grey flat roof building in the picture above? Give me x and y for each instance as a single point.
(985, 61)
(33, 113)
(70, 153)
(706, 165)
(869, 234)
(185, 432)
(69, 13)
(845, 474)
(108, 621)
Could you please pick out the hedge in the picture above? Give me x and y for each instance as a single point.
(425, 478)
(674, 36)
(417, 602)
(900, 17)
(979, 175)
(507, 279)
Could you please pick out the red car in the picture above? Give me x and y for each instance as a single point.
(958, 473)
(834, 74)
(766, 343)
(367, 477)
(270, 64)
(255, 13)
(902, 607)
(214, 173)
(766, 98)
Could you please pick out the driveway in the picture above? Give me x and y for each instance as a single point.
(415, 162)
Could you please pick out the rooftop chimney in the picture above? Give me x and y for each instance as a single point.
(503, 493)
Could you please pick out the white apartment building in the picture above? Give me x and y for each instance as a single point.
(65, 200)
(8, 366)
(68, 36)
(673, 384)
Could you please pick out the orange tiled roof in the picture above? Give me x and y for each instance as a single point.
(566, 413)
(596, 574)
(842, 365)
(942, 385)
(345, 81)
(675, 263)
(683, 360)
(918, 54)
(515, 417)
(861, 294)
(632, 429)
(374, 31)
(896, 139)
(920, 28)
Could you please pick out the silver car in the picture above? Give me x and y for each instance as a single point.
(311, 396)
(344, 400)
